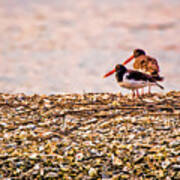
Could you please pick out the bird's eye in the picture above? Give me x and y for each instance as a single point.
(117, 66)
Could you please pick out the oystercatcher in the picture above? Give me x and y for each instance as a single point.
(131, 79)
(146, 64)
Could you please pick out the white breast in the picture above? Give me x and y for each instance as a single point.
(132, 84)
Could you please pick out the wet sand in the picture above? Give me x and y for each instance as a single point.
(62, 47)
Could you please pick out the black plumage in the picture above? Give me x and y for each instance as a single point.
(131, 79)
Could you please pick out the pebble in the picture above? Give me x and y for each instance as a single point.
(51, 175)
(92, 172)
(176, 167)
(175, 143)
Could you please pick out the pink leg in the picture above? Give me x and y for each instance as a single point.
(133, 94)
(149, 89)
(142, 92)
(137, 93)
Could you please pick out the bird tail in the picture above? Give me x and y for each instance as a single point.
(158, 78)
(157, 84)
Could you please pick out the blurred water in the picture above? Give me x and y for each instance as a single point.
(66, 46)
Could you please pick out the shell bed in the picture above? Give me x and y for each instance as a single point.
(90, 136)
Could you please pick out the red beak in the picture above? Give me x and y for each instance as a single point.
(124, 63)
(109, 73)
(128, 60)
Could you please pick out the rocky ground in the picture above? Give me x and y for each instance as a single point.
(86, 136)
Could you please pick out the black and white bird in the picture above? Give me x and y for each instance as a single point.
(131, 79)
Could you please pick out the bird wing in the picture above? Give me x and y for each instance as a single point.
(139, 76)
(152, 65)
(140, 63)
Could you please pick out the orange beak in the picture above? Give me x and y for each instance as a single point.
(124, 63)
(109, 73)
(128, 60)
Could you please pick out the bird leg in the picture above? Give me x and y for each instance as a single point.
(142, 92)
(133, 94)
(137, 93)
(149, 89)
